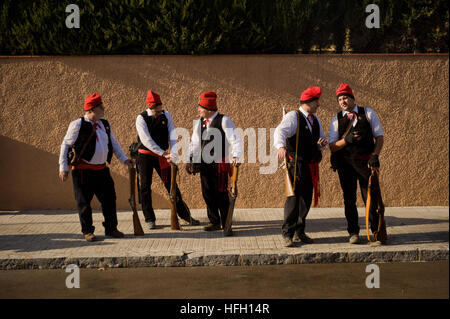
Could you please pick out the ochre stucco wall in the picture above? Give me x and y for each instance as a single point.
(41, 95)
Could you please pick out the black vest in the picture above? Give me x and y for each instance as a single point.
(360, 148)
(308, 150)
(216, 123)
(158, 129)
(85, 131)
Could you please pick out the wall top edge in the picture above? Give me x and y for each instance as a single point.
(229, 55)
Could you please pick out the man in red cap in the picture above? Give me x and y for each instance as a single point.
(156, 135)
(209, 149)
(92, 137)
(300, 139)
(354, 154)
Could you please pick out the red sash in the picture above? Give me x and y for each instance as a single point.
(163, 164)
(363, 157)
(224, 172)
(95, 167)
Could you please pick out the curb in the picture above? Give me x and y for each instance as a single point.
(234, 259)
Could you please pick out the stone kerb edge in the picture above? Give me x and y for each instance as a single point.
(198, 259)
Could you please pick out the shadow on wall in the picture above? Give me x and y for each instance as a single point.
(24, 168)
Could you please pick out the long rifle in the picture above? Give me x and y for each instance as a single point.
(174, 224)
(287, 178)
(375, 202)
(233, 195)
(138, 231)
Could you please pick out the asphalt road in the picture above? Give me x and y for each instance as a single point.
(323, 281)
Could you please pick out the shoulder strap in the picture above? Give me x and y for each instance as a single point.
(94, 131)
(349, 127)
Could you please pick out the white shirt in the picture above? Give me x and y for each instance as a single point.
(101, 145)
(231, 136)
(288, 128)
(146, 139)
(372, 117)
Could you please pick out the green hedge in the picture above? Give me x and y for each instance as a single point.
(222, 26)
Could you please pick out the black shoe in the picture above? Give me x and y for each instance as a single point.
(287, 242)
(354, 239)
(303, 238)
(228, 233)
(192, 222)
(211, 227)
(114, 233)
(151, 225)
(90, 237)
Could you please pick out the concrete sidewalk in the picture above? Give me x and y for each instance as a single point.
(52, 239)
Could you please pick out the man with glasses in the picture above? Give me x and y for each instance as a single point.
(93, 141)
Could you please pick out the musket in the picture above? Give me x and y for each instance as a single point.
(287, 178)
(138, 231)
(233, 195)
(174, 224)
(373, 190)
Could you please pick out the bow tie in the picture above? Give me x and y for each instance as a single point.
(207, 121)
(351, 113)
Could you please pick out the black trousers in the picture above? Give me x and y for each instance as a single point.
(350, 172)
(146, 164)
(86, 184)
(217, 203)
(296, 207)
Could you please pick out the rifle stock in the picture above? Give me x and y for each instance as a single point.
(138, 231)
(287, 179)
(174, 224)
(233, 196)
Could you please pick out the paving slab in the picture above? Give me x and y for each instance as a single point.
(52, 239)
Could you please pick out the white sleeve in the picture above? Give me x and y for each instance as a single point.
(194, 149)
(69, 140)
(287, 128)
(232, 137)
(117, 149)
(375, 124)
(333, 132)
(172, 134)
(145, 137)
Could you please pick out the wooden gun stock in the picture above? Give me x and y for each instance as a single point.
(138, 231)
(287, 181)
(233, 196)
(174, 224)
